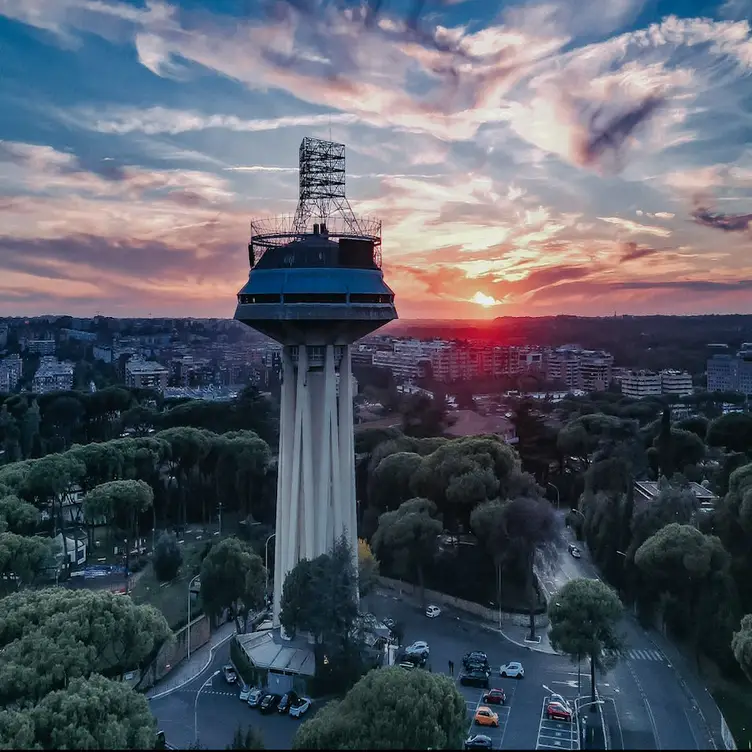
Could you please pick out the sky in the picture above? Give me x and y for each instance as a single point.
(525, 158)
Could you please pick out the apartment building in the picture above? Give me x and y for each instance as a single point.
(13, 368)
(4, 379)
(640, 384)
(728, 373)
(145, 374)
(678, 383)
(39, 346)
(588, 370)
(53, 376)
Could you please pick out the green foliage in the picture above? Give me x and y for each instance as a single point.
(22, 558)
(89, 714)
(120, 502)
(584, 618)
(248, 739)
(409, 536)
(390, 481)
(732, 431)
(85, 632)
(368, 568)
(367, 438)
(232, 576)
(19, 516)
(742, 646)
(390, 708)
(424, 416)
(488, 522)
(167, 557)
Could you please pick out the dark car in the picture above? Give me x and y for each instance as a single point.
(287, 701)
(475, 657)
(494, 697)
(418, 660)
(478, 741)
(389, 623)
(474, 679)
(269, 703)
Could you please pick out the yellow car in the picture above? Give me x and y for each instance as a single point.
(486, 717)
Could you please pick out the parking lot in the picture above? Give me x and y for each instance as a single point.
(474, 699)
(553, 734)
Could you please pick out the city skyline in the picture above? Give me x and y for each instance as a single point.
(531, 160)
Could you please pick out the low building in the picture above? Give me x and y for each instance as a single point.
(678, 383)
(53, 376)
(641, 384)
(145, 374)
(648, 490)
(40, 346)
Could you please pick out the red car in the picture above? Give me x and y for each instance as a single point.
(559, 711)
(494, 697)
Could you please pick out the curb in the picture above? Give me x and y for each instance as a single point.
(197, 674)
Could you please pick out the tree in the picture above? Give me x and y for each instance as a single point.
(20, 516)
(390, 708)
(742, 646)
(232, 576)
(534, 531)
(119, 501)
(488, 522)
(167, 557)
(584, 617)
(22, 558)
(732, 431)
(389, 483)
(688, 564)
(664, 445)
(251, 739)
(89, 714)
(368, 568)
(424, 416)
(86, 631)
(409, 536)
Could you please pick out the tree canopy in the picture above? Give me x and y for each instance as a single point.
(390, 708)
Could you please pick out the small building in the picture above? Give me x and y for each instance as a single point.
(77, 546)
(648, 490)
(279, 664)
(53, 376)
(144, 374)
(641, 384)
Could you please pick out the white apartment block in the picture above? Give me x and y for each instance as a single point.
(40, 346)
(145, 374)
(4, 379)
(727, 373)
(640, 384)
(53, 376)
(676, 382)
(588, 370)
(13, 367)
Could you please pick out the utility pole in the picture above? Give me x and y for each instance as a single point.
(220, 519)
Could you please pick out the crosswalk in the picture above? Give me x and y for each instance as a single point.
(644, 655)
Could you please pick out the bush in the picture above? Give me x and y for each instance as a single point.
(167, 557)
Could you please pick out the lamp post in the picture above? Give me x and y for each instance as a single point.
(266, 562)
(190, 585)
(558, 498)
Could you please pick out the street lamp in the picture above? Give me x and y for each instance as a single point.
(190, 585)
(558, 498)
(266, 562)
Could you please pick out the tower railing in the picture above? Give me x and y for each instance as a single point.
(272, 232)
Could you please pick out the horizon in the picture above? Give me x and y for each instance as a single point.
(533, 161)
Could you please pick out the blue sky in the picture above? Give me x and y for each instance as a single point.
(525, 158)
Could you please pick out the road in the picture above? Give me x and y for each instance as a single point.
(645, 705)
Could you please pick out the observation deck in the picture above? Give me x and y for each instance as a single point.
(323, 287)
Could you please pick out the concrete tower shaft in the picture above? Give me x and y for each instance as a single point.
(316, 290)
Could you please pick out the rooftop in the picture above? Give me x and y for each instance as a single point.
(268, 650)
(651, 489)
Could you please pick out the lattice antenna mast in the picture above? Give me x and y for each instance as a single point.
(322, 186)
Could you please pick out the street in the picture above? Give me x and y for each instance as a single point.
(644, 706)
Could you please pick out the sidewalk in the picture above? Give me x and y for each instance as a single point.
(697, 693)
(189, 668)
(518, 635)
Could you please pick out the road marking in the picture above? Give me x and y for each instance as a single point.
(554, 734)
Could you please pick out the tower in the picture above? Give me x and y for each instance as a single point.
(315, 286)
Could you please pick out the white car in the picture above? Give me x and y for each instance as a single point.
(513, 670)
(300, 707)
(230, 676)
(245, 691)
(418, 648)
(432, 612)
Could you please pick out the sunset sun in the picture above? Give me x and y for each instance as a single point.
(484, 300)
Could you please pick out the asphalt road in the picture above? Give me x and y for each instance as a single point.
(645, 705)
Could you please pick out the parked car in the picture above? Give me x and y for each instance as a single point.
(230, 676)
(559, 711)
(390, 624)
(245, 691)
(494, 697)
(478, 741)
(559, 698)
(285, 703)
(486, 717)
(417, 659)
(299, 706)
(407, 665)
(432, 612)
(574, 551)
(514, 670)
(269, 703)
(255, 697)
(474, 679)
(418, 648)
(475, 658)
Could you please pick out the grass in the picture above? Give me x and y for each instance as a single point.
(172, 598)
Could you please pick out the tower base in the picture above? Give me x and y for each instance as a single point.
(316, 469)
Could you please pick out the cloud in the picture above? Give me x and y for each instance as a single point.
(725, 222)
(633, 252)
(636, 227)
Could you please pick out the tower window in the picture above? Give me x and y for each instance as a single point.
(260, 298)
(360, 297)
(315, 297)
